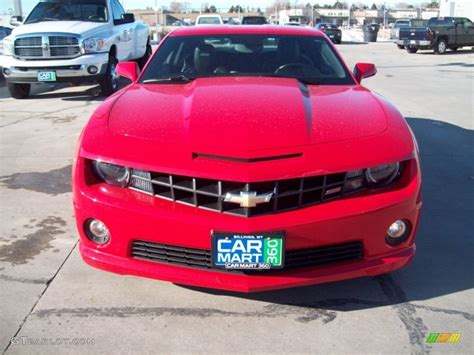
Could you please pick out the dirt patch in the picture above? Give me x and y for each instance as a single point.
(23, 250)
(54, 182)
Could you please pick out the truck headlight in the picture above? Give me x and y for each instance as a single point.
(112, 174)
(382, 174)
(8, 45)
(95, 45)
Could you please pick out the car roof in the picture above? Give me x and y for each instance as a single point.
(259, 29)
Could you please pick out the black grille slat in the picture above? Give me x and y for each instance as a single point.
(202, 258)
(288, 195)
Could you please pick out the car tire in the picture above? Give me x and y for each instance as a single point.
(338, 41)
(412, 50)
(441, 47)
(19, 91)
(400, 46)
(109, 83)
(143, 60)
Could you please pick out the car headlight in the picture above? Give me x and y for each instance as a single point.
(112, 174)
(8, 45)
(382, 174)
(95, 45)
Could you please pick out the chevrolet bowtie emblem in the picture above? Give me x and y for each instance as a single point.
(248, 198)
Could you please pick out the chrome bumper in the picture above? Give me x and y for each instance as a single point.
(16, 70)
(417, 43)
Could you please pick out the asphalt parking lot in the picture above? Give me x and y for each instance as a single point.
(47, 292)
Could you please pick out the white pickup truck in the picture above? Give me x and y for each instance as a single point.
(72, 41)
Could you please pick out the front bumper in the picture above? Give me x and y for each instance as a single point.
(132, 215)
(26, 71)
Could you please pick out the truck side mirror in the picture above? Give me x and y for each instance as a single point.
(128, 18)
(16, 20)
(364, 70)
(128, 70)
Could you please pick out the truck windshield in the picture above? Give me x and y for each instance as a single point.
(69, 10)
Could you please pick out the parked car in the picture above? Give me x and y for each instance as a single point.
(440, 34)
(73, 41)
(331, 30)
(254, 20)
(209, 20)
(247, 167)
(4, 32)
(395, 30)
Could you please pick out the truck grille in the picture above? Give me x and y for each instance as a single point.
(210, 194)
(47, 47)
(201, 258)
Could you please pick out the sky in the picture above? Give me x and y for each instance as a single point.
(224, 4)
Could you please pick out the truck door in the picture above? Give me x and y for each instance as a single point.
(465, 31)
(122, 32)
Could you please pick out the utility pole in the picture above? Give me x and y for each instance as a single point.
(17, 8)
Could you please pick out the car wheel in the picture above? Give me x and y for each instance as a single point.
(412, 50)
(143, 60)
(338, 41)
(400, 46)
(441, 47)
(19, 91)
(109, 83)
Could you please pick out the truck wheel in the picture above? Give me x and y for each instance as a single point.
(400, 46)
(142, 61)
(109, 83)
(441, 47)
(412, 50)
(19, 91)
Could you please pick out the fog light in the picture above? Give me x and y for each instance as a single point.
(92, 69)
(97, 231)
(398, 232)
(6, 71)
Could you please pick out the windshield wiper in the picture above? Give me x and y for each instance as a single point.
(172, 79)
(43, 19)
(305, 81)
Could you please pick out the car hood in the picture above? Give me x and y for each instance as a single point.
(83, 28)
(235, 116)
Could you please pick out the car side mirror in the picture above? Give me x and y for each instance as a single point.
(16, 20)
(364, 70)
(128, 18)
(128, 70)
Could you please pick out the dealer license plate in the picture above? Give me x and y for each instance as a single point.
(259, 251)
(46, 76)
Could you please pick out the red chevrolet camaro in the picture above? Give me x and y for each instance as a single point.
(247, 158)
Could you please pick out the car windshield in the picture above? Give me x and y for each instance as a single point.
(69, 10)
(209, 21)
(254, 20)
(327, 25)
(402, 24)
(310, 59)
(4, 32)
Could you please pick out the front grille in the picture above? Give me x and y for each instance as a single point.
(201, 258)
(63, 41)
(209, 194)
(61, 67)
(29, 42)
(64, 51)
(47, 47)
(29, 52)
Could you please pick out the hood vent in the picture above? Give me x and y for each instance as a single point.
(246, 160)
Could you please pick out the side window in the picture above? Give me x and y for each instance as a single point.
(432, 22)
(467, 23)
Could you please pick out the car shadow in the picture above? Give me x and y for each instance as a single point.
(462, 51)
(443, 263)
(83, 92)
